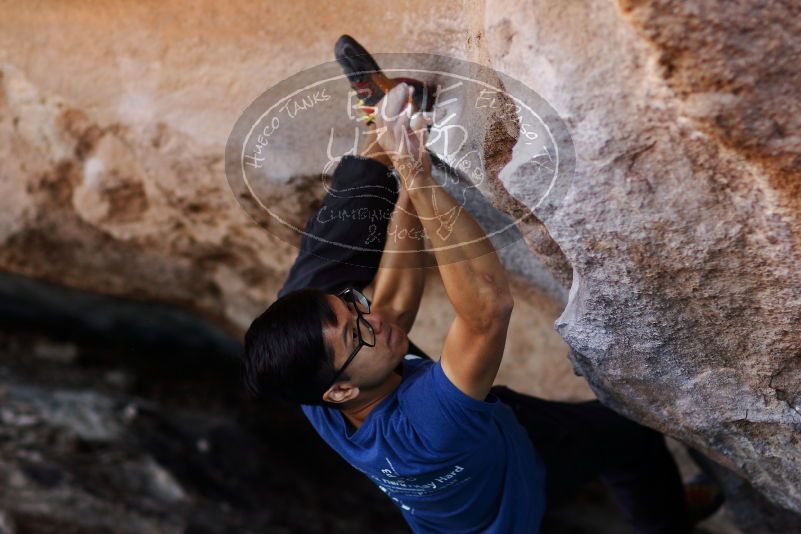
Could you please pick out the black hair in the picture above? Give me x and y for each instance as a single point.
(286, 356)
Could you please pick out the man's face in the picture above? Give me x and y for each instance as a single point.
(371, 366)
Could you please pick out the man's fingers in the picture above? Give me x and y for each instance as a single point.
(395, 101)
(406, 130)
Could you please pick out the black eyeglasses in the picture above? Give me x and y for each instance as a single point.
(355, 300)
(361, 305)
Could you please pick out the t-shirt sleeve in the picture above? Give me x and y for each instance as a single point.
(445, 416)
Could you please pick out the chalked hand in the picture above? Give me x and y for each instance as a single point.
(402, 133)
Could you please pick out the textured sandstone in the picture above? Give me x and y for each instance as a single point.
(678, 238)
(682, 225)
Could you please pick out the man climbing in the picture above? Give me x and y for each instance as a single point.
(454, 453)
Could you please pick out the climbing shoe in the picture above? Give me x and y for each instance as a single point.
(370, 84)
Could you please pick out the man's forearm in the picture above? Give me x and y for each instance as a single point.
(400, 280)
(472, 274)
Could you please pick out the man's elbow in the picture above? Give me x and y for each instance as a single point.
(505, 309)
(506, 304)
(496, 315)
(502, 303)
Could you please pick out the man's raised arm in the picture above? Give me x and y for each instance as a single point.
(400, 280)
(473, 276)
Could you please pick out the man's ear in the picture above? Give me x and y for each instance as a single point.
(341, 392)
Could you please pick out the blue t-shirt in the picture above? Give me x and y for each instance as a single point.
(451, 463)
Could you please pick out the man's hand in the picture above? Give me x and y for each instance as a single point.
(403, 133)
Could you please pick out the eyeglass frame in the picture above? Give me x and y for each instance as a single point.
(359, 317)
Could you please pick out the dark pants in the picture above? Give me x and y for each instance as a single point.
(583, 441)
(578, 441)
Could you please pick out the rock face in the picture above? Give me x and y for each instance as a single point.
(682, 225)
(678, 238)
